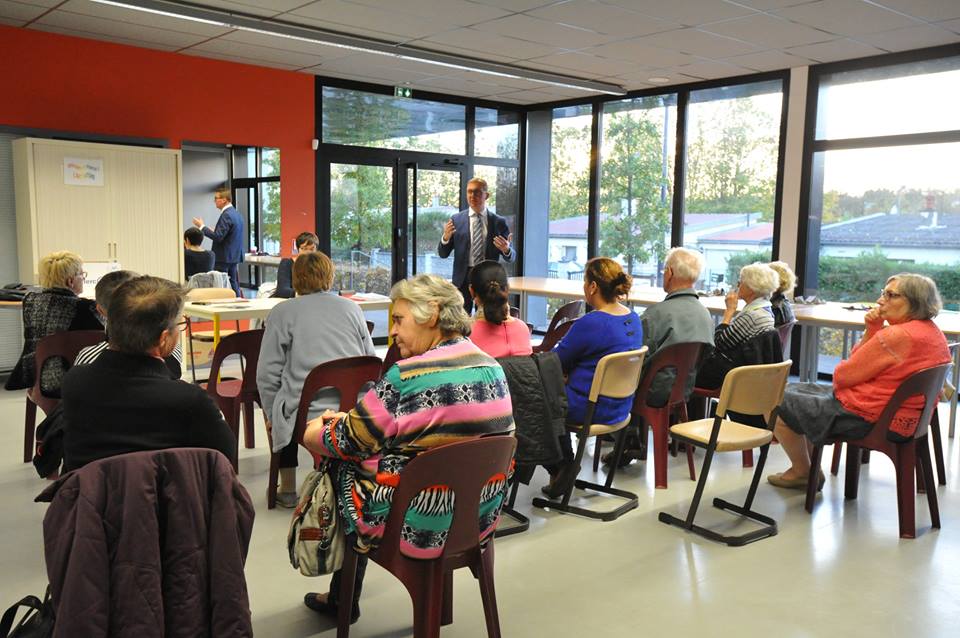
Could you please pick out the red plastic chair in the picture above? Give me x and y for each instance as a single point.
(553, 337)
(390, 358)
(565, 313)
(348, 376)
(61, 344)
(904, 456)
(683, 357)
(235, 394)
(465, 468)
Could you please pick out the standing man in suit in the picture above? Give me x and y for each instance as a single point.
(474, 235)
(227, 237)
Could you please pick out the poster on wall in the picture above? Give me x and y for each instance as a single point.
(79, 171)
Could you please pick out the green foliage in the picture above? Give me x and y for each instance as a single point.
(270, 210)
(736, 261)
(569, 183)
(361, 208)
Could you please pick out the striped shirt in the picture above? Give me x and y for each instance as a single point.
(89, 354)
(755, 318)
(452, 392)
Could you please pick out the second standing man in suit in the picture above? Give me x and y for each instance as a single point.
(227, 238)
(474, 235)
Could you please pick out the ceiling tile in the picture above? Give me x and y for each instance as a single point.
(769, 61)
(544, 32)
(515, 5)
(240, 59)
(580, 64)
(481, 42)
(769, 32)
(47, 4)
(454, 86)
(709, 69)
(287, 44)
(603, 18)
(642, 53)
(687, 12)
(846, 17)
(932, 10)
(11, 21)
(117, 29)
(349, 15)
(923, 35)
(532, 97)
(292, 59)
(457, 12)
(268, 8)
(952, 25)
(49, 28)
(339, 28)
(391, 69)
(700, 43)
(16, 13)
(766, 5)
(132, 16)
(486, 56)
(500, 82)
(841, 49)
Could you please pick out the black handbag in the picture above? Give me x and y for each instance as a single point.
(36, 623)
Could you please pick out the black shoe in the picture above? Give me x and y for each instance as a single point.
(561, 481)
(629, 455)
(328, 608)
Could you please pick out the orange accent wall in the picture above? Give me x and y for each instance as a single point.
(74, 84)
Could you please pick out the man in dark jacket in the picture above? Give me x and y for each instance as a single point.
(149, 544)
(125, 401)
(227, 237)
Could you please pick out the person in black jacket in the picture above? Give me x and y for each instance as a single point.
(306, 243)
(125, 401)
(195, 258)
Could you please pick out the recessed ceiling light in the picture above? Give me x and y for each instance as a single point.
(658, 80)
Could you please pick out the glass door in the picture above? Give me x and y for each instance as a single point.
(432, 198)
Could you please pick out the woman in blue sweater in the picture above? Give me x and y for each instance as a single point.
(611, 327)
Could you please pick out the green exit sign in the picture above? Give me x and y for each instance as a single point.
(402, 91)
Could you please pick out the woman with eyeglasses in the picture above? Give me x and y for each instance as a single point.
(56, 308)
(900, 339)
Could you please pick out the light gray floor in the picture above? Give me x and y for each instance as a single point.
(842, 571)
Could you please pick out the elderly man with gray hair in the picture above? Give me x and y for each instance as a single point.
(679, 318)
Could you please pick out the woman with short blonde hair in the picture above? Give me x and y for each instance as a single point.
(56, 308)
(782, 310)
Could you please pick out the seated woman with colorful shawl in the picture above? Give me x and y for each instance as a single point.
(444, 389)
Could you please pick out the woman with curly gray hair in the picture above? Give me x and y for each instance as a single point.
(444, 389)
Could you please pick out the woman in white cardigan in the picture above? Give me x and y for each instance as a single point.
(315, 327)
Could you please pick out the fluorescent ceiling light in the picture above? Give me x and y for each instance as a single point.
(277, 28)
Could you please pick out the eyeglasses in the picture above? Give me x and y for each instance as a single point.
(182, 325)
(475, 191)
(82, 274)
(890, 294)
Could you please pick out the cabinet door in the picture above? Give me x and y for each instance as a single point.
(69, 217)
(146, 213)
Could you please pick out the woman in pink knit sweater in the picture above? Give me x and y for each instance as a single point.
(900, 339)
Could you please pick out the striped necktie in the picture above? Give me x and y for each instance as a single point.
(477, 239)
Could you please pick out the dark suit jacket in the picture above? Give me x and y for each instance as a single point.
(459, 244)
(227, 237)
(126, 403)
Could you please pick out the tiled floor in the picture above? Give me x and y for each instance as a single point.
(842, 571)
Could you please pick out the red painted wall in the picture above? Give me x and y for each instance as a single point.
(74, 84)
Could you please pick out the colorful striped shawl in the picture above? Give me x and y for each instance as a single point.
(450, 393)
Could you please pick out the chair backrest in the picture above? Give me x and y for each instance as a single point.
(553, 337)
(210, 279)
(565, 313)
(247, 345)
(465, 468)
(390, 358)
(682, 357)
(60, 344)
(754, 390)
(785, 331)
(205, 294)
(617, 375)
(347, 375)
(928, 383)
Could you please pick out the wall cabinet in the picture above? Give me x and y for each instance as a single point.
(127, 207)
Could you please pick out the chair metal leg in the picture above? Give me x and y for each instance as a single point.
(597, 450)
(508, 510)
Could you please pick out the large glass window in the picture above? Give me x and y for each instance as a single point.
(504, 197)
(569, 191)
(636, 183)
(256, 187)
(361, 208)
(732, 147)
(357, 118)
(497, 133)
